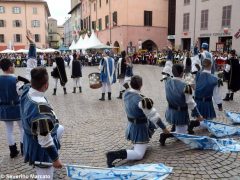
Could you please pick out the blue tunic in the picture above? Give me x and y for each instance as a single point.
(137, 133)
(129, 71)
(31, 112)
(104, 76)
(205, 84)
(9, 99)
(176, 99)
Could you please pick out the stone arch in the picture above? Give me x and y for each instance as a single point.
(149, 45)
(116, 47)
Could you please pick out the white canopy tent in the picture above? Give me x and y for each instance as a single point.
(49, 50)
(78, 44)
(7, 51)
(39, 50)
(72, 45)
(25, 51)
(84, 42)
(92, 42)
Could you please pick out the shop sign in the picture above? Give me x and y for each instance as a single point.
(215, 34)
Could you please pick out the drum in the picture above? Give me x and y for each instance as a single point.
(94, 80)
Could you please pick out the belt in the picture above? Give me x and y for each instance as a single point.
(204, 99)
(138, 120)
(178, 108)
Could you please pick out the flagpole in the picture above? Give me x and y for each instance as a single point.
(102, 168)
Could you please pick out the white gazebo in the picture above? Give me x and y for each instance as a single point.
(72, 45)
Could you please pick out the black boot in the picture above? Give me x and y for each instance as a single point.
(74, 90)
(163, 138)
(21, 147)
(64, 90)
(192, 125)
(231, 97)
(54, 91)
(113, 155)
(109, 96)
(227, 97)
(103, 97)
(13, 151)
(80, 89)
(120, 95)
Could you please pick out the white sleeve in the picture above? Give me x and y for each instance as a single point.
(54, 65)
(217, 97)
(190, 101)
(151, 114)
(227, 68)
(45, 141)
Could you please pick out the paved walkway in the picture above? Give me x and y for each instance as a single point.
(92, 128)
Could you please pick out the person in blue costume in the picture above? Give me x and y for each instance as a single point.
(205, 53)
(208, 87)
(142, 121)
(32, 55)
(42, 131)
(107, 74)
(180, 100)
(10, 103)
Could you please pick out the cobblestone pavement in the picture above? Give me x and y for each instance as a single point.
(92, 128)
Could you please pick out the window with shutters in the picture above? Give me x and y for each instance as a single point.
(17, 38)
(34, 10)
(100, 3)
(1, 38)
(2, 23)
(35, 23)
(226, 16)
(186, 2)
(147, 18)
(186, 21)
(106, 21)
(204, 19)
(115, 20)
(100, 24)
(17, 23)
(16, 10)
(2, 10)
(94, 25)
(106, 1)
(37, 37)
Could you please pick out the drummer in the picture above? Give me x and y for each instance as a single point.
(107, 74)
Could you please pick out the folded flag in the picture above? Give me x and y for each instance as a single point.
(233, 117)
(221, 129)
(136, 172)
(205, 142)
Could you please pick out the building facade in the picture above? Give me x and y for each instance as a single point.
(68, 32)
(129, 25)
(55, 34)
(18, 16)
(212, 21)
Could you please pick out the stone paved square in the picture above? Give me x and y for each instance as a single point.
(92, 128)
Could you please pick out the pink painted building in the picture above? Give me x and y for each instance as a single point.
(128, 24)
(16, 16)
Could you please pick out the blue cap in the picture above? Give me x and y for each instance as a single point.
(205, 45)
(32, 51)
(107, 51)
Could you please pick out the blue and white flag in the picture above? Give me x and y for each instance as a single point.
(233, 117)
(137, 172)
(205, 142)
(220, 129)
